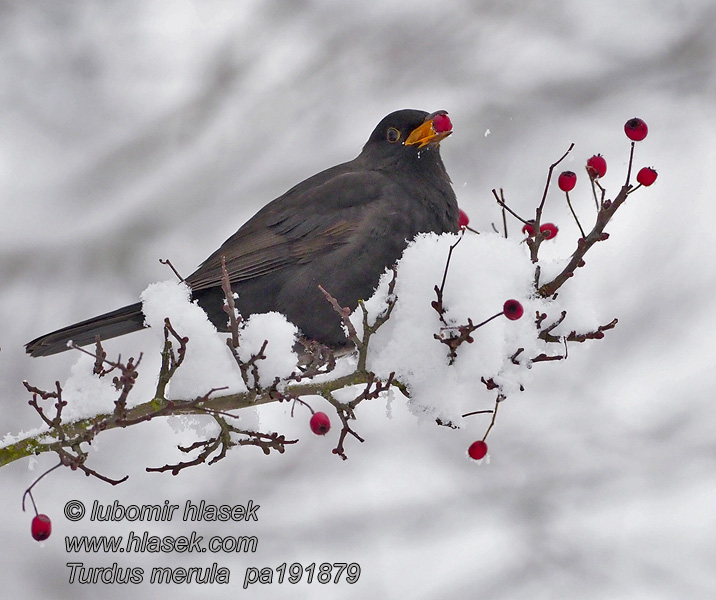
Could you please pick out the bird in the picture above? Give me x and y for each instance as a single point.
(339, 229)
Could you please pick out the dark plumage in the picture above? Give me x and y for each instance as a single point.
(340, 228)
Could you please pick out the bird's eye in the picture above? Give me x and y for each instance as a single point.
(393, 135)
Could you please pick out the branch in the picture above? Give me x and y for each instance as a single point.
(369, 329)
(606, 212)
(48, 441)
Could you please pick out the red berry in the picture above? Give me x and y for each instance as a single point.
(528, 229)
(463, 220)
(548, 230)
(636, 129)
(597, 166)
(567, 180)
(41, 527)
(512, 309)
(441, 123)
(320, 423)
(477, 450)
(646, 176)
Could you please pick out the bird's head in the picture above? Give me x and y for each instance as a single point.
(404, 133)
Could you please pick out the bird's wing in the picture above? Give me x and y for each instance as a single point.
(312, 219)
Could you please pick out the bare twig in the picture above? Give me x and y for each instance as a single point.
(438, 304)
(574, 214)
(369, 329)
(230, 305)
(501, 201)
(538, 213)
(171, 266)
(631, 160)
(500, 398)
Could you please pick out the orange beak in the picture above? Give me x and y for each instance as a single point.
(427, 133)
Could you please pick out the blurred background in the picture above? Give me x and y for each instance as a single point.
(139, 130)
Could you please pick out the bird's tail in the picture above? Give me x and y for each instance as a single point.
(109, 325)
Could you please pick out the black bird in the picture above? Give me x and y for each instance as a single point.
(340, 228)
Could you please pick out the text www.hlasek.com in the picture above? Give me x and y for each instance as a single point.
(145, 542)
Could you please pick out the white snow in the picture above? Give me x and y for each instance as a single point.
(485, 270)
(86, 394)
(208, 362)
(280, 358)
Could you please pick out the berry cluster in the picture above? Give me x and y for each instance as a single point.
(596, 167)
(547, 230)
(636, 130)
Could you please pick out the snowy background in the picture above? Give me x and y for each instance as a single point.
(140, 130)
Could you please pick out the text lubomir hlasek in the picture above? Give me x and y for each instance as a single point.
(166, 512)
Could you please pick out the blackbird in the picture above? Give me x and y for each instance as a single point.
(339, 229)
